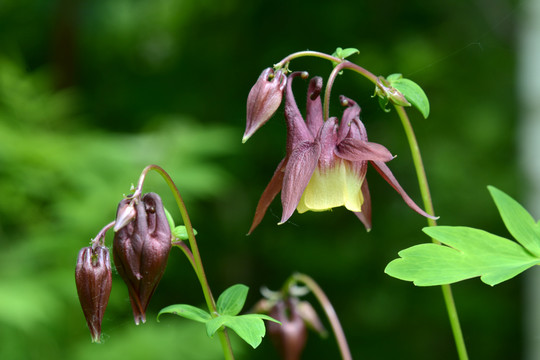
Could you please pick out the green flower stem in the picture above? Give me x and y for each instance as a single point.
(195, 259)
(328, 310)
(185, 249)
(428, 204)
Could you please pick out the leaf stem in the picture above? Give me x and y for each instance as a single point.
(428, 204)
(328, 310)
(195, 258)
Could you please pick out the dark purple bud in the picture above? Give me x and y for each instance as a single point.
(289, 337)
(141, 249)
(263, 100)
(93, 278)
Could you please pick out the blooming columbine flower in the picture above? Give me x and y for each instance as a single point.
(325, 164)
(141, 248)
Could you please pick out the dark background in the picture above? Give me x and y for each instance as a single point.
(92, 91)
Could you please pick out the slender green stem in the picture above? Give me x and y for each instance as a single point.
(195, 257)
(328, 310)
(428, 204)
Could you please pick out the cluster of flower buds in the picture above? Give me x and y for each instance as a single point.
(296, 317)
(141, 247)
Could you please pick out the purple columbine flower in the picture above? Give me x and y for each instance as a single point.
(141, 249)
(326, 163)
(93, 278)
(263, 100)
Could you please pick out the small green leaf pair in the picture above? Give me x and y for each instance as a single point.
(472, 252)
(249, 327)
(178, 232)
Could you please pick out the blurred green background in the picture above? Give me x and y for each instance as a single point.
(92, 91)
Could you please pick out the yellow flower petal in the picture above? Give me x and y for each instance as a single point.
(330, 188)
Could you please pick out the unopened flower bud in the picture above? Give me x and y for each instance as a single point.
(93, 278)
(310, 317)
(289, 337)
(263, 100)
(391, 94)
(141, 249)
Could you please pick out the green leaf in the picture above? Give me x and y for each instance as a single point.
(187, 311)
(232, 300)
(249, 327)
(517, 220)
(170, 219)
(412, 92)
(180, 232)
(470, 253)
(383, 102)
(345, 53)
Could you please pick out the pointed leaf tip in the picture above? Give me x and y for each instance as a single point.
(232, 300)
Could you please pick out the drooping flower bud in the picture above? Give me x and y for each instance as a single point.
(93, 278)
(263, 100)
(141, 249)
(290, 337)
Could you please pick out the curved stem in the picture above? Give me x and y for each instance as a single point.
(300, 54)
(346, 64)
(329, 311)
(195, 259)
(100, 237)
(328, 89)
(428, 204)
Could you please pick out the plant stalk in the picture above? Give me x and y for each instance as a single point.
(195, 258)
(428, 204)
(329, 311)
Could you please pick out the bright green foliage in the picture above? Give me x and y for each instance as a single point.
(232, 300)
(187, 311)
(249, 327)
(472, 252)
(180, 232)
(343, 54)
(412, 92)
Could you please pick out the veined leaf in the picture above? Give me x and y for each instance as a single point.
(470, 253)
(232, 300)
(187, 311)
(517, 220)
(249, 327)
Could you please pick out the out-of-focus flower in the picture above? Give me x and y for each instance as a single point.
(93, 278)
(141, 249)
(326, 162)
(290, 336)
(263, 100)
